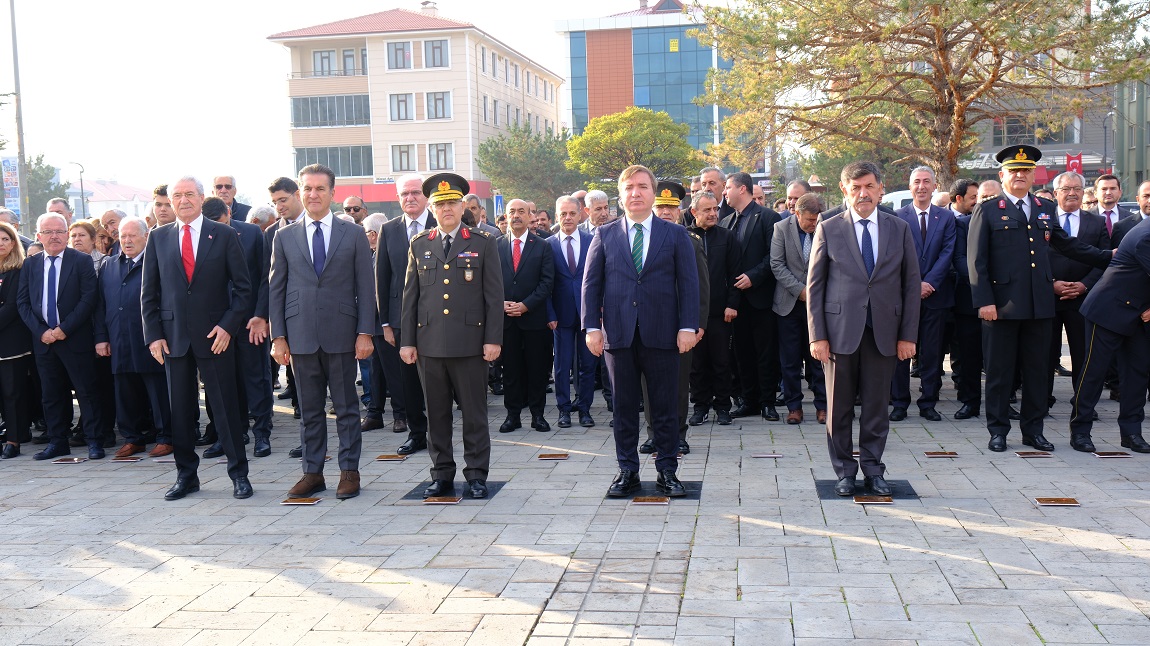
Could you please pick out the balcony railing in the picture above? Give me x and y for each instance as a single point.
(328, 73)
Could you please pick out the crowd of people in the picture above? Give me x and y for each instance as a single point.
(692, 301)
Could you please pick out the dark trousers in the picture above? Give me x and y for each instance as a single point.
(930, 351)
(378, 386)
(1011, 343)
(794, 356)
(572, 356)
(1133, 354)
(627, 367)
(968, 337)
(137, 393)
(13, 398)
(219, 375)
(255, 378)
(450, 379)
(865, 373)
(1075, 338)
(57, 369)
(710, 377)
(605, 379)
(757, 355)
(406, 385)
(526, 361)
(681, 403)
(315, 374)
(105, 385)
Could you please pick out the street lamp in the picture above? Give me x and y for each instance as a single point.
(83, 196)
(1106, 138)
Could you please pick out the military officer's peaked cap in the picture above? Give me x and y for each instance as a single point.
(444, 187)
(669, 194)
(1018, 157)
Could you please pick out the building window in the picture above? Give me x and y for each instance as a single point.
(483, 58)
(403, 159)
(494, 69)
(323, 62)
(438, 105)
(402, 107)
(506, 71)
(439, 157)
(330, 111)
(509, 115)
(363, 61)
(516, 117)
(485, 117)
(495, 111)
(527, 84)
(346, 161)
(1009, 131)
(1132, 135)
(435, 53)
(517, 75)
(1132, 88)
(349, 62)
(399, 56)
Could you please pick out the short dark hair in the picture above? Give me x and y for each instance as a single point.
(213, 208)
(960, 187)
(743, 179)
(160, 191)
(285, 184)
(860, 169)
(319, 169)
(809, 203)
(1107, 176)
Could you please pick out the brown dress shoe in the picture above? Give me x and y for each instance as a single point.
(399, 426)
(795, 416)
(130, 449)
(821, 416)
(160, 450)
(309, 485)
(348, 485)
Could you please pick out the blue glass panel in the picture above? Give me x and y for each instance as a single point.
(642, 96)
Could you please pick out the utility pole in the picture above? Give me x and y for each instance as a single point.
(25, 210)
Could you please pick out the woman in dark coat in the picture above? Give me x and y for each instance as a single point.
(15, 346)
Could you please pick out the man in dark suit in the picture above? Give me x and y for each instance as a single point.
(224, 187)
(569, 252)
(140, 383)
(932, 229)
(1011, 285)
(1116, 312)
(1123, 226)
(322, 307)
(864, 292)
(528, 278)
(195, 296)
(1072, 279)
(391, 257)
(1108, 190)
(452, 326)
(756, 328)
(967, 327)
(285, 198)
(56, 299)
(641, 305)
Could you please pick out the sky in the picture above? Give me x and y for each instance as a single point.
(144, 92)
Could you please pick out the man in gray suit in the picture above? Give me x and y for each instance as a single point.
(322, 303)
(863, 297)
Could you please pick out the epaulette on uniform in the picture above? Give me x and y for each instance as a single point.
(479, 231)
(694, 235)
(423, 234)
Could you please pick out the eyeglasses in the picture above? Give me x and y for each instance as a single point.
(352, 209)
(54, 232)
(220, 187)
(411, 194)
(1069, 189)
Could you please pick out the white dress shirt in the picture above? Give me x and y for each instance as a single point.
(325, 227)
(1069, 222)
(574, 238)
(44, 294)
(873, 219)
(197, 225)
(646, 224)
(421, 220)
(1025, 203)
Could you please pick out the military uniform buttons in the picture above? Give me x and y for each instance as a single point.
(1031, 265)
(446, 281)
(446, 311)
(1032, 252)
(446, 296)
(1032, 239)
(447, 266)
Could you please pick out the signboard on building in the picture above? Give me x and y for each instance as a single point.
(498, 198)
(11, 168)
(674, 45)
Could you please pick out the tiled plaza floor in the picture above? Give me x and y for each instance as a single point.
(92, 554)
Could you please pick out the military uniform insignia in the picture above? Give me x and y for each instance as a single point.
(1006, 217)
(465, 233)
(444, 186)
(694, 235)
(427, 255)
(469, 254)
(1048, 235)
(431, 234)
(1002, 205)
(1037, 202)
(468, 274)
(1043, 216)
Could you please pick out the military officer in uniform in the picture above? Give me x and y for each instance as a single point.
(1012, 287)
(452, 325)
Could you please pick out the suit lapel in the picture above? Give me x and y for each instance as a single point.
(337, 234)
(437, 246)
(505, 255)
(301, 239)
(852, 240)
(65, 271)
(658, 234)
(206, 240)
(884, 240)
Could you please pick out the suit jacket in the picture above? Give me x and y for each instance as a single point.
(723, 257)
(1122, 227)
(962, 302)
(839, 290)
(661, 301)
(118, 319)
(936, 255)
(24, 242)
(391, 256)
(565, 305)
(257, 259)
(75, 300)
(1092, 231)
(327, 311)
(788, 265)
(1123, 293)
(240, 211)
(830, 213)
(756, 258)
(15, 339)
(183, 313)
(531, 284)
(704, 278)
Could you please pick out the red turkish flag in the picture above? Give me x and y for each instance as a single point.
(1074, 163)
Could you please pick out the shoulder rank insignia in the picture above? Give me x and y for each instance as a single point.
(465, 233)
(1002, 204)
(423, 234)
(1037, 202)
(694, 235)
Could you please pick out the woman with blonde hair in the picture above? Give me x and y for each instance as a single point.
(15, 347)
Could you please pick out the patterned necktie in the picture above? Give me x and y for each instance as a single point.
(867, 248)
(1109, 223)
(637, 249)
(806, 245)
(516, 254)
(922, 225)
(318, 252)
(571, 264)
(187, 254)
(412, 229)
(446, 245)
(53, 321)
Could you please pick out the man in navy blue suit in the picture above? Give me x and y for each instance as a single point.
(932, 228)
(569, 251)
(641, 305)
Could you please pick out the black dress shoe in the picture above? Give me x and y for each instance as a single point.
(624, 484)
(510, 424)
(241, 488)
(295, 412)
(1062, 372)
(845, 486)
(77, 440)
(215, 451)
(247, 438)
(412, 445)
(585, 419)
(288, 393)
(668, 483)
(297, 452)
(1014, 414)
(95, 451)
(684, 448)
(1081, 443)
(564, 420)
(876, 485)
(647, 448)
(10, 451)
(745, 411)
(477, 489)
(770, 414)
(698, 417)
(439, 488)
(263, 448)
(539, 423)
(41, 438)
(966, 411)
(997, 443)
(930, 414)
(723, 417)
(207, 439)
(497, 389)
(53, 450)
(183, 487)
(898, 414)
(1037, 441)
(1135, 443)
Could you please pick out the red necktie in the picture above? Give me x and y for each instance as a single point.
(516, 253)
(1109, 223)
(186, 252)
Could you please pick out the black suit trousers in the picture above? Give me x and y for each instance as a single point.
(219, 375)
(757, 354)
(661, 368)
(930, 347)
(1075, 338)
(58, 368)
(14, 394)
(710, 379)
(794, 356)
(968, 336)
(137, 393)
(865, 373)
(526, 362)
(406, 388)
(1133, 355)
(1011, 343)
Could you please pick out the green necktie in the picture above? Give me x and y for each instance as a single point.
(637, 249)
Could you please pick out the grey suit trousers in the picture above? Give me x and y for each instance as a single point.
(867, 373)
(314, 375)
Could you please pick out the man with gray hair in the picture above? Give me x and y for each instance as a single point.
(110, 220)
(598, 207)
(714, 181)
(11, 218)
(262, 216)
(60, 207)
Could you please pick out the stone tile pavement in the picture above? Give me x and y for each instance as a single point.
(93, 555)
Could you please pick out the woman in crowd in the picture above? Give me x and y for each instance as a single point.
(15, 346)
(82, 237)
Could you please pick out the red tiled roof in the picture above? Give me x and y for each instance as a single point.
(105, 191)
(392, 20)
